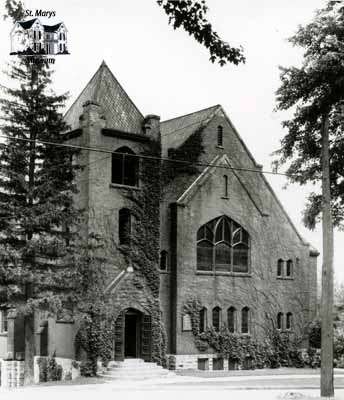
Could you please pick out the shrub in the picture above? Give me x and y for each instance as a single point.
(88, 368)
(315, 334)
(54, 370)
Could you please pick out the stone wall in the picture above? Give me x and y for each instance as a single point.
(252, 204)
(12, 373)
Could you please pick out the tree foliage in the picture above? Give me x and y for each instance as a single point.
(36, 194)
(312, 91)
(191, 16)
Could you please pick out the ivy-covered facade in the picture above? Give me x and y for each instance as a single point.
(199, 257)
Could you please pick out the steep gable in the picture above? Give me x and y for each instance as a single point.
(103, 88)
(175, 131)
(237, 157)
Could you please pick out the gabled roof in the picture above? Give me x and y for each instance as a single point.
(204, 176)
(52, 28)
(27, 24)
(119, 111)
(175, 131)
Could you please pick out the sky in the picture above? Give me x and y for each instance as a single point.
(166, 72)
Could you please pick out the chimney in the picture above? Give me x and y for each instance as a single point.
(151, 127)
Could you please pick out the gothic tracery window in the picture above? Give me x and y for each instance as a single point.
(223, 245)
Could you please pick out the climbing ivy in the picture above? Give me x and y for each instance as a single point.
(278, 349)
(188, 152)
(145, 245)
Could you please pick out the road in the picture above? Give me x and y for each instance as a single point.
(248, 385)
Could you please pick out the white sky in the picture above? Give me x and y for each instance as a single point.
(166, 72)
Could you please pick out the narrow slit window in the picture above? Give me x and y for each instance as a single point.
(280, 321)
(245, 328)
(220, 136)
(289, 321)
(231, 317)
(289, 272)
(203, 320)
(280, 264)
(216, 318)
(124, 226)
(225, 185)
(163, 260)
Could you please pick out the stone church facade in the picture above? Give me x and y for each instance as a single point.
(210, 231)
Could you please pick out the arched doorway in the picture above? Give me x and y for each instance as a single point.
(132, 335)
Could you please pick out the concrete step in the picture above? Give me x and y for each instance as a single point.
(134, 369)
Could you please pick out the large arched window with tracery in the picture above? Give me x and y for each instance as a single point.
(223, 245)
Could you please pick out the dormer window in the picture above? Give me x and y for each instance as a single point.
(220, 136)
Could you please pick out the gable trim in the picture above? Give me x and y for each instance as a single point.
(204, 176)
(262, 175)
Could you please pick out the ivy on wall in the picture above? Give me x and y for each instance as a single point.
(143, 253)
(278, 349)
(189, 151)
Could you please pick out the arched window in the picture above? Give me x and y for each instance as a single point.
(163, 260)
(216, 318)
(223, 245)
(124, 226)
(125, 166)
(289, 321)
(231, 319)
(220, 136)
(225, 186)
(203, 320)
(289, 272)
(280, 264)
(245, 323)
(280, 321)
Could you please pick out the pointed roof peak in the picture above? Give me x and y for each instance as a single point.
(119, 110)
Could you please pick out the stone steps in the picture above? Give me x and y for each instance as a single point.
(134, 369)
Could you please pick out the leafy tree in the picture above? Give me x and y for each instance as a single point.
(313, 146)
(37, 213)
(191, 15)
(313, 91)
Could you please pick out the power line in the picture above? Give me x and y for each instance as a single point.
(198, 164)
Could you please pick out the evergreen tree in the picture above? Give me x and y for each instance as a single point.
(37, 214)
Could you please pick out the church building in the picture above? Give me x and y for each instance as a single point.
(195, 235)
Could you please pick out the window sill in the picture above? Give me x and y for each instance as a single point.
(225, 197)
(3, 334)
(221, 273)
(119, 186)
(285, 278)
(219, 147)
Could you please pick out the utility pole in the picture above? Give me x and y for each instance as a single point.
(326, 382)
